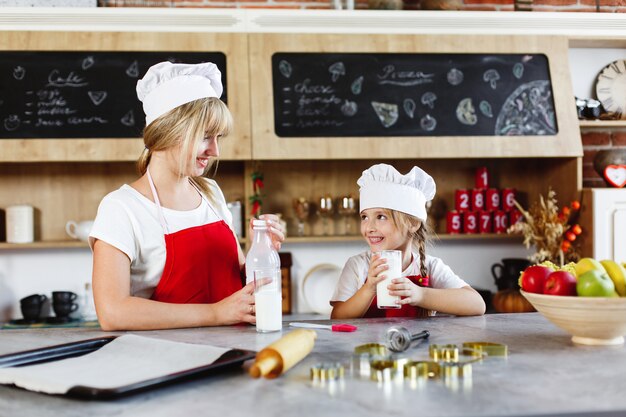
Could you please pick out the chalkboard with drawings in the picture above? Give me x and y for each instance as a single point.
(60, 94)
(410, 94)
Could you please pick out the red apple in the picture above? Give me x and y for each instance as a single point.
(560, 283)
(534, 278)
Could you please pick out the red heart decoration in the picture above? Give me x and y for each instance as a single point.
(615, 175)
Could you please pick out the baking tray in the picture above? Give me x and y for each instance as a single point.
(231, 359)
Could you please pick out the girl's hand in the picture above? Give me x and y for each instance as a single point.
(277, 234)
(408, 292)
(376, 272)
(237, 307)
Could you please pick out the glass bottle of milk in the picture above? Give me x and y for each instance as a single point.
(263, 268)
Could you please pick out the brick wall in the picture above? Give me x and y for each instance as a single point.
(610, 6)
(594, 141)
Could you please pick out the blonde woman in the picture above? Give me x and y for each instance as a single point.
(164, 251)
(393, 217)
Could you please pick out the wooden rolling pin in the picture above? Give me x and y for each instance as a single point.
(281, 355)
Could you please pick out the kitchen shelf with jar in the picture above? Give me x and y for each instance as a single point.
(444, 237)
(313, 179)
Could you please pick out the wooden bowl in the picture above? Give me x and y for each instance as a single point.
(590, 320)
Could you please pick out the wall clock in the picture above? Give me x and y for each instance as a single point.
(611, 87)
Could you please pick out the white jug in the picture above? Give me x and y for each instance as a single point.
(79, 230)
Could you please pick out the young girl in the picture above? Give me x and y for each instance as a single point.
(164, 252)
(393, 217)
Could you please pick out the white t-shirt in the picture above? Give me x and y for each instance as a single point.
(355, 270)
(130, 222)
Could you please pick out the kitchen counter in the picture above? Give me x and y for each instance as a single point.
(544, 374)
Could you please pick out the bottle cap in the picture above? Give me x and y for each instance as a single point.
(259, 223)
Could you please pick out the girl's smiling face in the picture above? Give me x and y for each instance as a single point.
(380, 231)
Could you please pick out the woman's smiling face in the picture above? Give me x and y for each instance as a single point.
(207, 149)
(380, 232)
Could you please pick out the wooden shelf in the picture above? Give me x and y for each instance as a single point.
(440, 237)
(46, 244)
(598, 124)
(60, 244)
(477, 236)
(319, 239)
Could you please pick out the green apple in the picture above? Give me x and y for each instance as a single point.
(587, 264)
(594, 283)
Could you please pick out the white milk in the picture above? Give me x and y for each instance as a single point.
(394, 261)
(269, 311)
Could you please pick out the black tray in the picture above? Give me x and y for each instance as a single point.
(228, 360)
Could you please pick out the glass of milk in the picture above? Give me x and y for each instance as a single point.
(268, 300)
(394, 261)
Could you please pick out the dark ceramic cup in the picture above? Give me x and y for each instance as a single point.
(64, 309)
(506, 274)
(31, 306)
(63, 303)
(63, 297)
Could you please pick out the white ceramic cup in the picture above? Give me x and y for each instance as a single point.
(79, 230)
(394, 261)
(20, 222)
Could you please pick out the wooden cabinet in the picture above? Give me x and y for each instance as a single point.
(603, 219)
(65, 179)
(233, 45)
(267, 145)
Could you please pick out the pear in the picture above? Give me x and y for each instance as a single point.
(617, 273)
(587, 264)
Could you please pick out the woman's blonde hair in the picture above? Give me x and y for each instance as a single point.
(406, 224)
(186, 126)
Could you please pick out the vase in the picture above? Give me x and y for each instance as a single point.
(615, 159)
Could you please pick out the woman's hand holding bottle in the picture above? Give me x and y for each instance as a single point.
(238, 307)
(275, 229)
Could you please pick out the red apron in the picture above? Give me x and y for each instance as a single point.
(201, 263)
(406, 310)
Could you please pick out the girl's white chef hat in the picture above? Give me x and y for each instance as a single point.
(382, 186)
(167, 86)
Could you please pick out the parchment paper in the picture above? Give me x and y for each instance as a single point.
(126, 360)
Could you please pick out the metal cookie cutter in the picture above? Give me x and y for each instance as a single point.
(329, 371)
(381, 370)
(415, 370)
(363, 355)
(374, 349)
(444, 353)
(482, 349)
(456, 370)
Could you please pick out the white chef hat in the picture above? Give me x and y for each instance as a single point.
(167, 86)
(383, 186)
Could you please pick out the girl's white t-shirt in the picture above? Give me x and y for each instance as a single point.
(354, 274)
(130, 222)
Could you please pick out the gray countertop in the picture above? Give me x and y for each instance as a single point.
(544, 374)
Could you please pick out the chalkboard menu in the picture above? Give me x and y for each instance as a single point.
(393, 94)
(47, 94)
